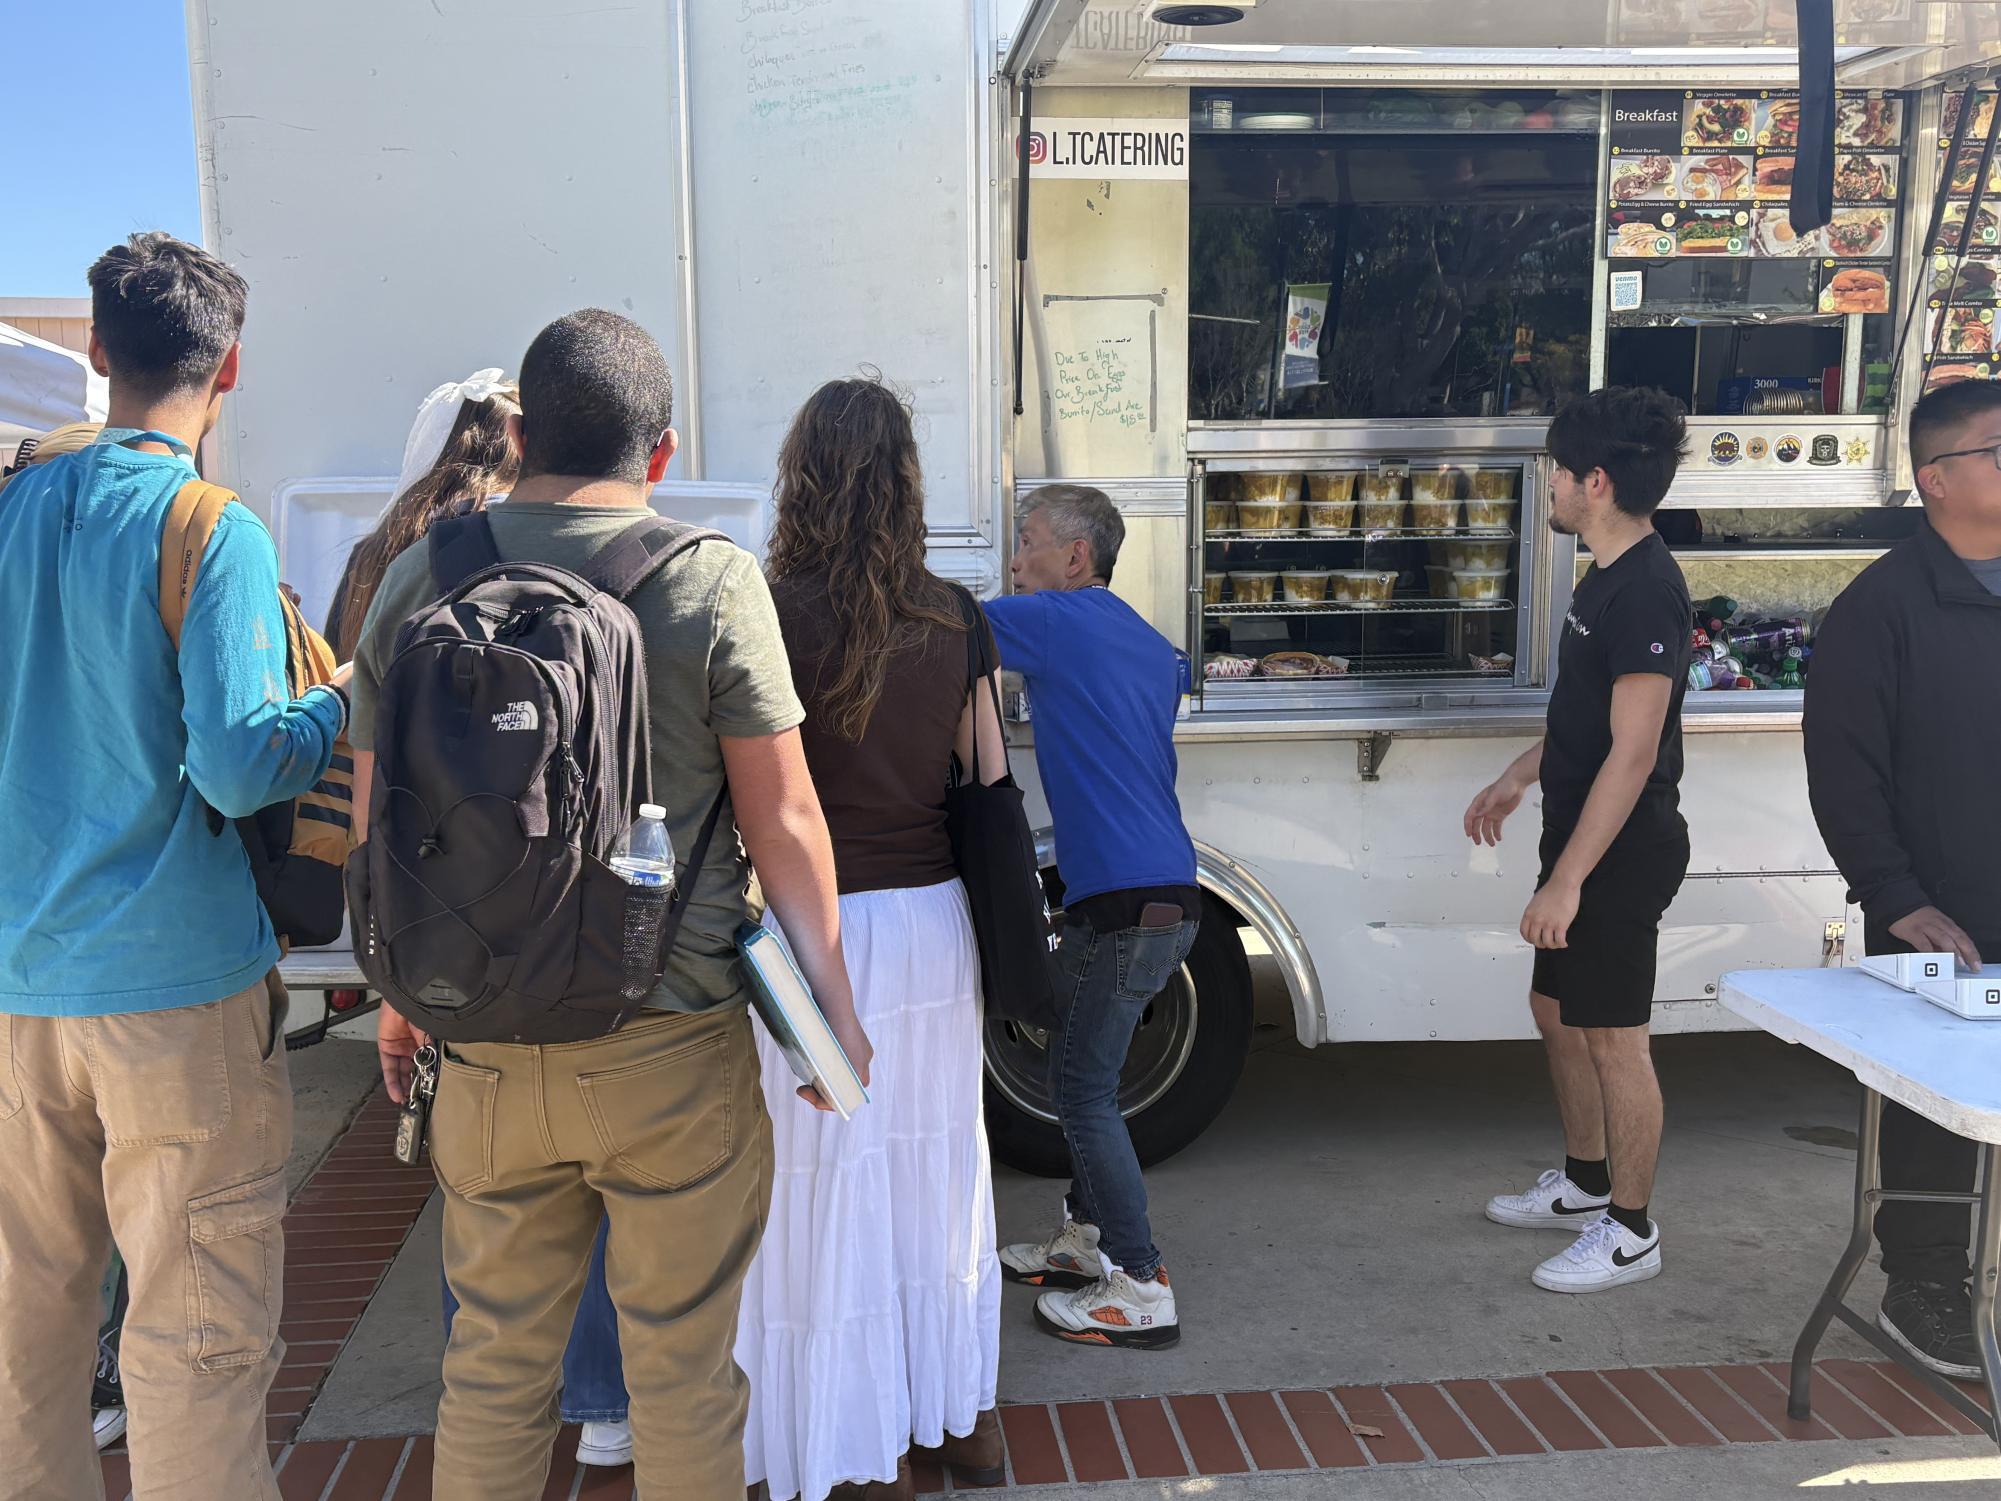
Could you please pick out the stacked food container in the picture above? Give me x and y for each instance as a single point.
(1358, 571)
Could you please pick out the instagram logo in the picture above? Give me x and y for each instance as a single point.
(1038, 148)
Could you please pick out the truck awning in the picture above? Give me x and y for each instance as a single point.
(1108, 43)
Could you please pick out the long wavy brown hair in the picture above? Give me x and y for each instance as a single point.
(850, 499)
(477, 463)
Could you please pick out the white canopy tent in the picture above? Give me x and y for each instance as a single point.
(43, 385)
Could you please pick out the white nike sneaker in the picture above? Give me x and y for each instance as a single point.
(605, 1445)
(1069, 1258)
(1555, 1203)
(1606, 1255)
(1114, 1310)
(108, 1425)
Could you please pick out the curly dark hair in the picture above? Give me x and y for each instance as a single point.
(850, 500)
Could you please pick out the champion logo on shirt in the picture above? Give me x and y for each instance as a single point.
(1657, 649)
(1570, 619)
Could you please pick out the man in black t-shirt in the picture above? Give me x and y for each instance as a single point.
(1614, 847)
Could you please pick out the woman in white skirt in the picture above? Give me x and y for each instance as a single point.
(871, 1318)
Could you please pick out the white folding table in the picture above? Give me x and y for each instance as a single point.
(1899, 1047)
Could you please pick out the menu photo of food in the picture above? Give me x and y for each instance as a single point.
(1943, 374)
(1856, 289)
(1967, 168)
(1963, 331)
(1869, 123)
(1773, 235)
(1716, 179)
(1775, 178)
(1718, 122)
(1644, 178)
(1713, 233)
(1641, 239)
(1953, 230)
(1983, 118)
(1865, 179)
(1778, 124)
(1965, 282)
(1859, 233)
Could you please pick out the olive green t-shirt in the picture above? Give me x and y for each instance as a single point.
(715, 665)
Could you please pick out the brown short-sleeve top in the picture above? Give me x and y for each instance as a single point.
(884, 795)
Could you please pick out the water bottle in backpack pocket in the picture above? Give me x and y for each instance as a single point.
(645, 858)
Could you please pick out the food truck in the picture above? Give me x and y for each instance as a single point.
(1298, 283)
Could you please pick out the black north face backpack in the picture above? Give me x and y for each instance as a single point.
(511, 755)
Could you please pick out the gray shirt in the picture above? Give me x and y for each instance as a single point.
(1988, 571)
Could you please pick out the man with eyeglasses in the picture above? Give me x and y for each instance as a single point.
(1903, 714)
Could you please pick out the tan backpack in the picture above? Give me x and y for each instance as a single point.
(297, 848)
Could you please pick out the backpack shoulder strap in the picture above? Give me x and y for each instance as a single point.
(642, 550)
(461, 546)
(191, 520)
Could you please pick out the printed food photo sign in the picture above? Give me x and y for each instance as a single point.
(1965, 275)
(1698, 174)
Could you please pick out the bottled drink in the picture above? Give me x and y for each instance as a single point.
(645, 857)
(1715, 613)
(1764, 638)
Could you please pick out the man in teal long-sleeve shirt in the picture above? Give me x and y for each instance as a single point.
(143, 1088)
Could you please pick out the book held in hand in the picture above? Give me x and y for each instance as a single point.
(792, 1017)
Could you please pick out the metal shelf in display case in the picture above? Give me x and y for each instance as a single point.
(1286, 607)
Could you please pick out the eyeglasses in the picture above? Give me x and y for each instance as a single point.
(1993, 451)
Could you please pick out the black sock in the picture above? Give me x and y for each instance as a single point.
(1594, 1177)
(1634, 1220)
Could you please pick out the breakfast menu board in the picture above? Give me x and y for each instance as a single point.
(1961, 341)
(1700, 174)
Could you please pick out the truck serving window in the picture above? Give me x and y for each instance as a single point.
(1390, 255)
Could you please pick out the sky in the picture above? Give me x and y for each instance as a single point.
(84, 178)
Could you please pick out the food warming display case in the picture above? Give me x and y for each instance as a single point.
(1320, 574)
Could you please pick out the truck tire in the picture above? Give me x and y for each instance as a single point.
(1185, 1059)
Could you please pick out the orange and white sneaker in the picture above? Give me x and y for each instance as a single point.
(1115, 1311)
(1069, 1258)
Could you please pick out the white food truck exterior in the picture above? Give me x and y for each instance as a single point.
(784, 191)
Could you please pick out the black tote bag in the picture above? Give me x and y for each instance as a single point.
(994, 850)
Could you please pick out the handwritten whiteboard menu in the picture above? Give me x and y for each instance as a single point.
(840, 136)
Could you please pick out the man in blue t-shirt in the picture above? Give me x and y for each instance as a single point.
(1106, 686)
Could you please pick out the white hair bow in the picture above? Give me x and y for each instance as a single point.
(426, 443)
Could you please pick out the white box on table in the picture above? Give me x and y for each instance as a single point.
(1976, 996)
(1909, 971)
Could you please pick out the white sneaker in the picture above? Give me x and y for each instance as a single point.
(1606, 1255)
(1114, 1310)
(605, 1445)
(1069, 1258)
(1555, 1203)
(108, 1424)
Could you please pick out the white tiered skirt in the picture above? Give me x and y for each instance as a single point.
(871, 1317)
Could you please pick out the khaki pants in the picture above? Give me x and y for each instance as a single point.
(168, 1131)
(660, 1127)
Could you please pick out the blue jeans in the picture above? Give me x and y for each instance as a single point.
(593, 1373)
(1108, 980)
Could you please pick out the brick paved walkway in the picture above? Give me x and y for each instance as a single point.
(352, 1217)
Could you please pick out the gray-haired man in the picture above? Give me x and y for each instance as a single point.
(1106, 686)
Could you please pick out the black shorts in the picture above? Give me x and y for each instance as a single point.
(1605, 978)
